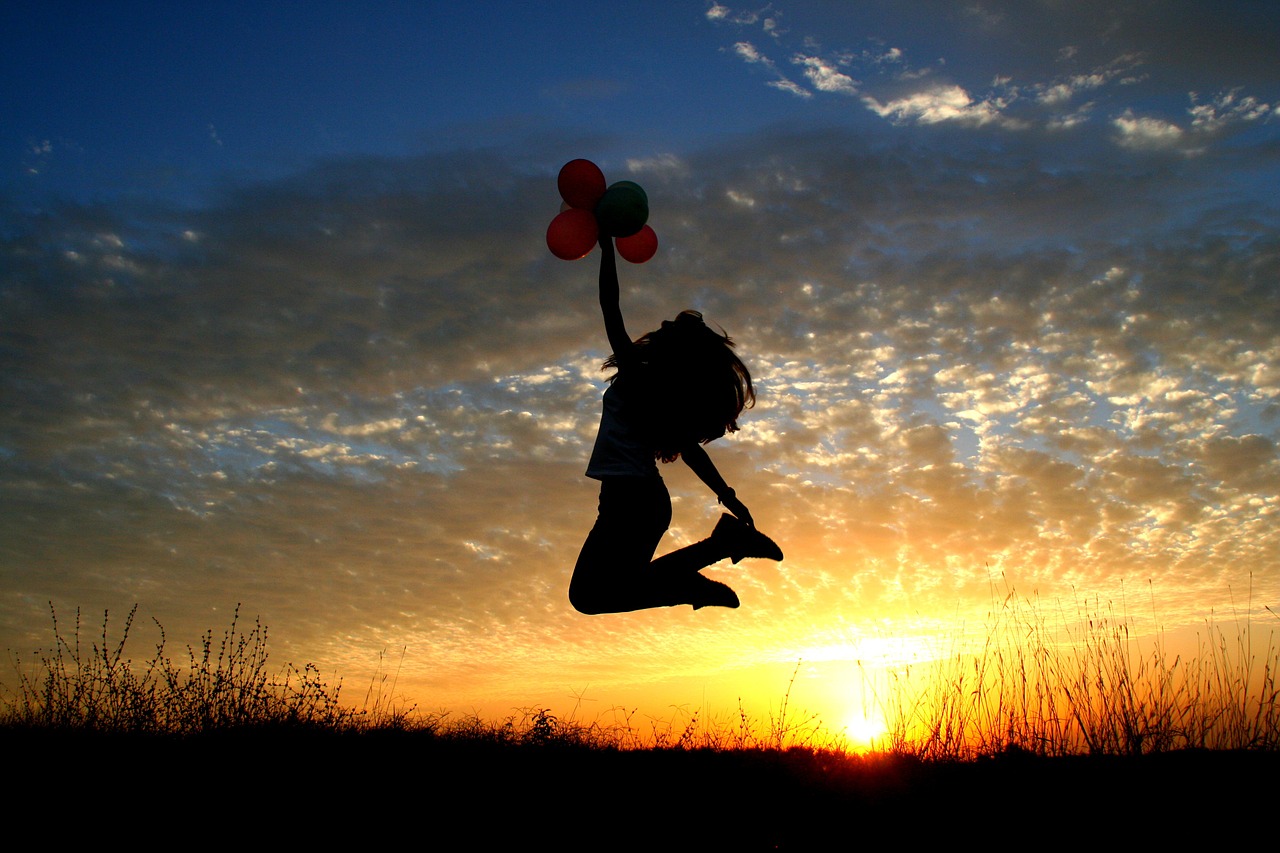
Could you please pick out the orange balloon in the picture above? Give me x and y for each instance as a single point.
(581, 183)
(639, 247)
(572, 234)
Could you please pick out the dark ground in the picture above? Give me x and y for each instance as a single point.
(419, 792)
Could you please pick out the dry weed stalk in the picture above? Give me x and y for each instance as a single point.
(224, 685)
(1087, 687)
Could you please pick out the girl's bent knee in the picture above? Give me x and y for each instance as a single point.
(583, 608)
(583, 602)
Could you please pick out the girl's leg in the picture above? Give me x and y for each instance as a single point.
(614, 573)
(631, 520)
(731, 538)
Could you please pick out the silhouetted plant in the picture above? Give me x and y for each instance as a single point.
(224, 685)
(1085, 688)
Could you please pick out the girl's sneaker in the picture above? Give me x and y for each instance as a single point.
(741, 540)
(704, 592)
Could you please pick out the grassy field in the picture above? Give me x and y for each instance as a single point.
(1037, 729)
(1078, 683)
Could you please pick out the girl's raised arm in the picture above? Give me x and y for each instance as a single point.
(619, 340)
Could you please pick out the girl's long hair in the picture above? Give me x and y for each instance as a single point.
(685, 384)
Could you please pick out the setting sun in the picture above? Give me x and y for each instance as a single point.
(865, 732)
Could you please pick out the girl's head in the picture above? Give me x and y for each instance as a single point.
(691, 386)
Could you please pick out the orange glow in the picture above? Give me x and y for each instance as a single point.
(865, 732)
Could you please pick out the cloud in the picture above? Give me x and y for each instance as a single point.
(1145, 132)
(941, 103)
(372, 382)
(750, 54)
(1223, 112)
(1225, 109)
(1057, 95)
(1126, 61)
(747, 51)
(791, 88)
(824, 76)
(720, 13)
(668, 166)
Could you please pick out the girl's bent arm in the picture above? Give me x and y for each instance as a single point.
(619, 340)
(701, 465)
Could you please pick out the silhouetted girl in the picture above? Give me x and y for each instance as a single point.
(675, 389)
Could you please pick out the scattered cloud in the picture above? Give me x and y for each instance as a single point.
(750, 54)
(1058, 94)
(668, 166)
(942, 103)
(891, 86)
(791, 87)
(824, 75)
(1146, 132)
(1227, 108)
(744, 17)
(339, 383)
(1050, 356)
(747, 51)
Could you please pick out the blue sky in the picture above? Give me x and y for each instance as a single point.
(169, 99)
(161, 98)
(278, 324)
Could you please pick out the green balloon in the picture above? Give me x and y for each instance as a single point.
(622, 210)
(633, 185)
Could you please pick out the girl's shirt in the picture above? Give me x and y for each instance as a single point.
(619, 451)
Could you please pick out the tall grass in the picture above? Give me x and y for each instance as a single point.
(1082, 684)
(90, 685)
(1077, 683)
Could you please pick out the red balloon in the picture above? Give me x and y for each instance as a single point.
(639, 247)
(572, 234)
(581, 183)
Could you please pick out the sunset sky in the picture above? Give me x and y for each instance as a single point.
(279, 327)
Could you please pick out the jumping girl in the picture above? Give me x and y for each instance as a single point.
(674, 390)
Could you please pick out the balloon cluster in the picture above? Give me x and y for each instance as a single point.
(590, 209)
